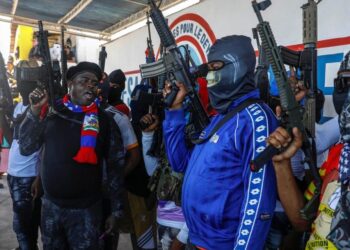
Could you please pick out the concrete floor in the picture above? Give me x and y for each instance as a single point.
(8, 239)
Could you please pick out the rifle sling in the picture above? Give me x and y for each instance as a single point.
(65, 117)
(226, 118)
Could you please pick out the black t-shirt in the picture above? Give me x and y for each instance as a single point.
(65, 181)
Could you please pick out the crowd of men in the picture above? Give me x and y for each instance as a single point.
(89, 168)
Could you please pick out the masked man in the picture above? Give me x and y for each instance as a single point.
(226, 206)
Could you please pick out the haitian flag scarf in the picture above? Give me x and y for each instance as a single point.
(89, 130)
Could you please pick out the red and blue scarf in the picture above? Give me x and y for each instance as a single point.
(89, 130)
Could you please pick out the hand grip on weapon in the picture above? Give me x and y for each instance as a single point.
(281, 139)
(150, 122)
(299, 95)
(180, 94)
(271, 150)
(38, 98)
(280, 146)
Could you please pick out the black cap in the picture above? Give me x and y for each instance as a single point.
(84, 67)
(117, 76)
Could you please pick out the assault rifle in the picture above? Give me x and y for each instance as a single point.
(63, 61)
(153, 98)
(49, 83)
(6, 105)
(306, 61)
(102, 58)
(292, 112)
(174, 65)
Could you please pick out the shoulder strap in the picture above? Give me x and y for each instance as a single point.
(226, 118)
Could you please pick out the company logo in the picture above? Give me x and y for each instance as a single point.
(193, 31)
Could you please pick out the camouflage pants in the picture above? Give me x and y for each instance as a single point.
(64, 228)
(26, 211)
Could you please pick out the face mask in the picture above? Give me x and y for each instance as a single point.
(338, 100)
(213, 78)
(236, 76)
(114, 95)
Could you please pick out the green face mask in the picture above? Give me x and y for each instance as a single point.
(213, 78)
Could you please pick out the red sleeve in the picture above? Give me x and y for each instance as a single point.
(123, 108)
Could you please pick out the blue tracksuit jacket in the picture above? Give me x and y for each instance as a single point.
(226, 206)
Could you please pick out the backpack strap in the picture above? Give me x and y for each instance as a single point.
(226, 118)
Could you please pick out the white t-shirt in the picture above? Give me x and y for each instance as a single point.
(20, 165)
(127, 132)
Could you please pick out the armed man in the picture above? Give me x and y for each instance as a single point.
(23, 169)
(78, 137)
(225, 204)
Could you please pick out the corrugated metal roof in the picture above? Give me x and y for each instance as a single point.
(46, 10)
(101, 17)
(5, 6)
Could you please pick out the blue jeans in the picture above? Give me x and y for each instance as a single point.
(26, 211)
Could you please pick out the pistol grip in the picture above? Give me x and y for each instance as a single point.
(263, 158)
(169, 99)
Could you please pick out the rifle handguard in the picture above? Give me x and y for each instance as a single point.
(161, 26)
(266, 155)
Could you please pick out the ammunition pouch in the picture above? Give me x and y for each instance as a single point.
(166, 183)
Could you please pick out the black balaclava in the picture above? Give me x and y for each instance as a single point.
(341, 89)
(115, 95)
(338, 100)
(236, 78)
(117, 77)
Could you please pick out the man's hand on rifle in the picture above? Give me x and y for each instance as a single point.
(151, 120)
(282, 140)
(290, 196)
(177, 104)
(41, 96)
